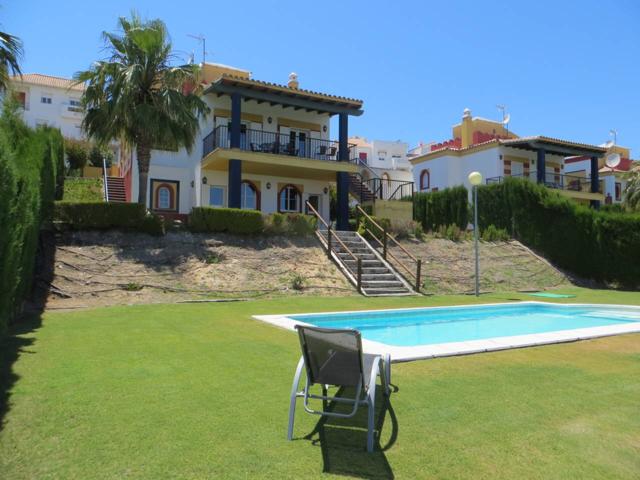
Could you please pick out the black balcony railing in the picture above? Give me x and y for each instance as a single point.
(294, 144)
(553, 180)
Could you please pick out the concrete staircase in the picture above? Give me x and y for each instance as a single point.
(115, 188)
(359, 189)
(379, 278)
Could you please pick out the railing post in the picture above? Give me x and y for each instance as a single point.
(418, 271)
(359, 274)
(105, 180)
(329, 241)
(384, 243)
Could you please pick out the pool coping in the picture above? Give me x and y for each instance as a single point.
(419, 352)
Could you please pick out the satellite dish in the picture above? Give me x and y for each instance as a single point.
(609, 144)
(612, 160)
(506, 119)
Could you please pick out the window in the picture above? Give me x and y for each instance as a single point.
(425, 180)
(249, 196)
(74, 105)
(164, 195)
(363, 157)
(46, 100)
(164, 198)
(289, 200)
(216, 196)
(21, 98)
(618, 191)
(382, 155)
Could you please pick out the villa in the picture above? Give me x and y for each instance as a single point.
(264, 146)
(487, 146)
(51, 101)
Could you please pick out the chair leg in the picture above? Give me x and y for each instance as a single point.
(371, 403)
(387, 374)
(294, 396)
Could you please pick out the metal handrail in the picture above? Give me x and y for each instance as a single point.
(358, 273)
(104, 175)
(263, 141)
(385, 251)
(365, 165)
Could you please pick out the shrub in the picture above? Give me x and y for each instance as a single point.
(77, 152)
(365, 226)
(31, 177)
(598, 245)
(451, 232)
(300, 224)
(406, 228)
(231, 220)
(105, 216)
(446, 207)
(297, 282)
(97, 153)
(274, 224)
(494, 234)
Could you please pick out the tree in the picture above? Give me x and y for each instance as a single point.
(137, 97)
(632, 190)
(10, 54)
(77, 152)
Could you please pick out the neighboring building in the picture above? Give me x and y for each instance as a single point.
(384, 168)
(488, 147)
(263, 146)
(49, 100)
(612, 180)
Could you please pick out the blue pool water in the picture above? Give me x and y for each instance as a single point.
(457, 324)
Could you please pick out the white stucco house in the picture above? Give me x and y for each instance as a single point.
(49, 100)
(486, 146)
(263, 146)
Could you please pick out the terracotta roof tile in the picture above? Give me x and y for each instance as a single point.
(48, 81)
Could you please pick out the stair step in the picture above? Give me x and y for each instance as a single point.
(387, 291)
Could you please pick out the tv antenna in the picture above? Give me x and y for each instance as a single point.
(202, 40)
(614, 133)
(505, 117)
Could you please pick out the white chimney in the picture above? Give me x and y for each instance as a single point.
(293, 80)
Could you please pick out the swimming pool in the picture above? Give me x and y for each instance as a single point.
(438, 331)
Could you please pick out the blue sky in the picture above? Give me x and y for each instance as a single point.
(564, 69)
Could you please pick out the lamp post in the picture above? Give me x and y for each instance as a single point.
(475, 179)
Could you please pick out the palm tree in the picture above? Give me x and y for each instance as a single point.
(10, 54)
(137, 97)
(632, 190)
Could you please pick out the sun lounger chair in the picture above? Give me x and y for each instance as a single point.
(334, 357)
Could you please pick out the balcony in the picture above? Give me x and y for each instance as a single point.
(290, 144)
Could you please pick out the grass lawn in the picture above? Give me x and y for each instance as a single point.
(201, 391)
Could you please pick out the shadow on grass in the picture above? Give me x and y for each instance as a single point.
(343, 441)
(15, 343)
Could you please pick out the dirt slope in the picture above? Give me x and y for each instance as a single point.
(448, 267)
(113, 268)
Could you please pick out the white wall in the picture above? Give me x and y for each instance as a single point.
(269, 196)
(55, 114)
(184, 166)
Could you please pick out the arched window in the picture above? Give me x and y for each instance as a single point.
(425, 180)
(164, 198)
(249, 196)
(289, 199)
(386, 178)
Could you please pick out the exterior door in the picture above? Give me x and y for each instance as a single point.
(314, 201)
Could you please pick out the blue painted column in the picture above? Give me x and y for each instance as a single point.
(235, 166)
(595, 181)
(541, 166)
(342, 178)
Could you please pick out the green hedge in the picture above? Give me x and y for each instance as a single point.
(105, 216)
(31, 178)
(597, 245)
(445, 207)
(231, 220)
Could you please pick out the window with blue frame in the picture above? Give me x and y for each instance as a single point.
(216, 196)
